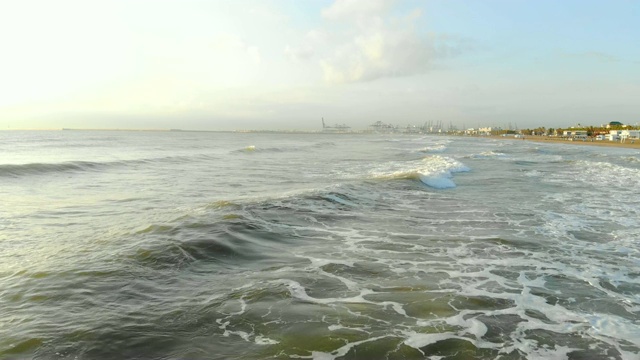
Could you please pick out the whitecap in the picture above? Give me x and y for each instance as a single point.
(433, 149)
(261, 340)
(489, 154)
(434, 171)
(438, 171)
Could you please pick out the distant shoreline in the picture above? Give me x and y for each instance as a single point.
(535, 138)
(558, 140)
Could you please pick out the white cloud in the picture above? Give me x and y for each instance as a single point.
(343, 9)
(299, 54)
(232, 45)
(380, 45)
(266, 13)
(317, 36)
(254, 54)
(313, 39)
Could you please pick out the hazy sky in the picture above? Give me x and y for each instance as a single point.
(275, 64)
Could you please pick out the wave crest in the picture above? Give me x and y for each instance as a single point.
(434, 171)
(18, 170)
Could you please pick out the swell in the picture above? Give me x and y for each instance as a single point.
(230, 234)
(31, 169)
(227, 240)
(172, 280)
(11, 170)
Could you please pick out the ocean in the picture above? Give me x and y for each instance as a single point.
(210, 245)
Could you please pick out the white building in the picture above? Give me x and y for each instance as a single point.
(487, 130)
(613, 135)
(629, 134)
(580, 134)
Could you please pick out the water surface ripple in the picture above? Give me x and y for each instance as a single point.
(178, 245)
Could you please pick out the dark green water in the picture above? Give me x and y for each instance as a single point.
(252, 246)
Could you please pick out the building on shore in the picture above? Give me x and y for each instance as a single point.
(629, 135)
(575, 134)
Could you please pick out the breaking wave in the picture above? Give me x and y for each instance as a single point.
(434, 171)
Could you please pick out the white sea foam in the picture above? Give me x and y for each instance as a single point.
(299, 292)
(525, 277)
(420, 340)
(490, 154)
(438, 171)
(229, 306)
(607, 174)
(631, 159)
(342, 351)
(545, 264)
(262, 340)
(536, 352)
(341, 327)
(471, 325)
(317, 264)
(614, 326)
(433, 149)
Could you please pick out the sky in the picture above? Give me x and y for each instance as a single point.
(286, 64)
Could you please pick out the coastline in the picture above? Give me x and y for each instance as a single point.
(549, 139)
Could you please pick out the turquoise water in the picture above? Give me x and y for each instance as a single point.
(173, 245)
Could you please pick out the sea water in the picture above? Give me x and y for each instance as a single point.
(204, 245)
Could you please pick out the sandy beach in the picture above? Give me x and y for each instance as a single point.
(548, 139)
